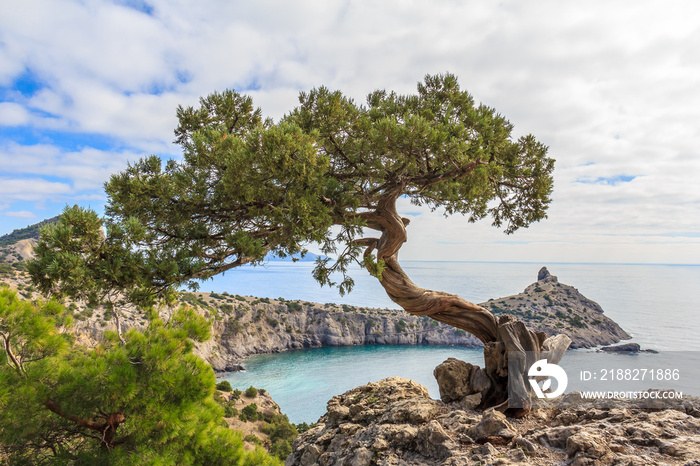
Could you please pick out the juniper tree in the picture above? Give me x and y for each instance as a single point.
(329, 172)
(80, 258)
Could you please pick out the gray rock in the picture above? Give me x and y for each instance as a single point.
(493, 427)
(624, 348)
(454, 379)
(587, 444)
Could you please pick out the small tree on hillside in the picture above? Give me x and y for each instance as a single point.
(327, 173)
(77, 257)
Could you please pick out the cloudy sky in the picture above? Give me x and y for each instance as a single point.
(613, 88)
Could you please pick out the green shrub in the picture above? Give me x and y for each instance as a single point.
(251, 392)
(253, 439)
(303, 427)
(224, 386)
(281, 449)
(21, 266)
(578, 322)
(293, 306)
(282, 433)
(250, 413)
(227, 308)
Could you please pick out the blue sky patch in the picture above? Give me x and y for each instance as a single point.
(26, 84)
(138, 5)
(610, 180)
(71, 142)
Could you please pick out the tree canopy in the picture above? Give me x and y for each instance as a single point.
(246, 186)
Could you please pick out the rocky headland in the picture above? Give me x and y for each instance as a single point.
(395, 422)
(244, 326)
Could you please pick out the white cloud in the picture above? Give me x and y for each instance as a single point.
(611, 88)
(86, 169)
(20, 214)
(27, 189)
(12, 114)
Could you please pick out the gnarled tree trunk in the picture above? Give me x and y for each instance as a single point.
(504, 339)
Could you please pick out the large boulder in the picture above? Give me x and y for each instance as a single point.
(458, 379)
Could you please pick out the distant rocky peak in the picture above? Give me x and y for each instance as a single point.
(544, 275)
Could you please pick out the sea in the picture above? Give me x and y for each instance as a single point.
(656, 304)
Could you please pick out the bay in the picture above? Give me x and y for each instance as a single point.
(302, 381)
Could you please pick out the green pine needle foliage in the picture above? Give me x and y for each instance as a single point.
(148, 401)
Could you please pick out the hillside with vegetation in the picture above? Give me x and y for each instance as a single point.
(29, 232)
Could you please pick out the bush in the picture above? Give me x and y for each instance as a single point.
(282, 433)
(236, 395)
(250, 413)
(293, 306)
(303, 427)
(5, 269)
(253, 439)
(224, 386)
(281, 449)
(230, 411)
(251, 392)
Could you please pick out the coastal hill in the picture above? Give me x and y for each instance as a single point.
(244, 325)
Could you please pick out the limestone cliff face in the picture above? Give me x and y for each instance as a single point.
(244, 326)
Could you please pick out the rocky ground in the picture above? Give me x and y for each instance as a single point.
(395, 422)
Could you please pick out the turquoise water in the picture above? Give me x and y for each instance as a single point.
(302, 381)
(656, 304)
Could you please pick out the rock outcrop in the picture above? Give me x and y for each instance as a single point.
(394, 422)
(552, 307)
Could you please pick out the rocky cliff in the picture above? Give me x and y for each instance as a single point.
(245, 325)
(395, 422)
